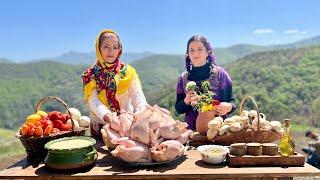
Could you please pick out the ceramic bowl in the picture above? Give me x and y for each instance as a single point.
(213, 154)
(70, 152)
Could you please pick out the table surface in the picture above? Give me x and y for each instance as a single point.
(189, 166)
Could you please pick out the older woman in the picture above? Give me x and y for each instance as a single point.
(110, 85)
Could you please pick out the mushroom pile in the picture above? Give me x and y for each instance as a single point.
(247, 119)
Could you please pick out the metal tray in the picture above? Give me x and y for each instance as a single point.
(153, 163)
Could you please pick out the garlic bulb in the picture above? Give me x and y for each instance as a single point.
(84, 121)
(75, 113)
(75, 124)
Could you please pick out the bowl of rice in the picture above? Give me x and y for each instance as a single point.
(213, 154)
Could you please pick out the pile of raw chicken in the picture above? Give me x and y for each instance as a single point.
(147, 136)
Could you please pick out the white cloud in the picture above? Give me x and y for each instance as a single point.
(293, 32)
(263, 31)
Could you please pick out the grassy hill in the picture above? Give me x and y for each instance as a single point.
(285, 83)
(157, 70)
(22, 86)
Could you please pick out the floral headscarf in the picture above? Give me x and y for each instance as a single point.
(102, 77)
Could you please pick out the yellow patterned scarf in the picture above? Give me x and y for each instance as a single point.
(109, 80)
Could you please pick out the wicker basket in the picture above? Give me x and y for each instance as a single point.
(249, 134)
(35, 145)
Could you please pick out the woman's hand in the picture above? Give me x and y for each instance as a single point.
(190, 96)
(108, 118)
(223, 108)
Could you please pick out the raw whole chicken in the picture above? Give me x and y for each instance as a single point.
(172, 130)
(108, 135)
(167, 150)
(125, 119)
(131, 151)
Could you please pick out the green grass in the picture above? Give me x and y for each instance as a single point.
(9, 144)
(5, 134)
(303, 128)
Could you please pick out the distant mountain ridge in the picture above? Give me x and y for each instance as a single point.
(74, 57)
(224, 55)
(229, 54)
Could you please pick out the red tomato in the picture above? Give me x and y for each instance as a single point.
(45, 123)
(31, 131)
(48, 130)
(66, 127)
(31, 125)
(64, 118)
(24, 130)
(39, 131)
(55, 115)
(57, 124)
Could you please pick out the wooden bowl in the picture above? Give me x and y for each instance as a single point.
(254, 149)
(238, 149)
(270, 149)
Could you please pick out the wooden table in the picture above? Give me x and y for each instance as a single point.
(188, 167)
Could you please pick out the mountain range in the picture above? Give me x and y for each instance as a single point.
(224, 55)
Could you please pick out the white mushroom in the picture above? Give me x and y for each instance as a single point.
(220, 119)
(214, 124)
(244, 113)
(253, 114)
(211, 134)
(236, 127)
(229, 121)
(224, 129)
(277, 126)
(236, 118)
(244, 121)
(263, 123)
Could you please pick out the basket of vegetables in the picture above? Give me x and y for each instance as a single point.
(42, 127)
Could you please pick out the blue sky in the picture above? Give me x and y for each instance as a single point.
(42, 29)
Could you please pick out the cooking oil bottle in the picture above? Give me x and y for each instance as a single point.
(286, 144)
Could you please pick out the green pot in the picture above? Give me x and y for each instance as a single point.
(70, 152)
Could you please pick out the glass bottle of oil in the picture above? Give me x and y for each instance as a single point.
(286, 144)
